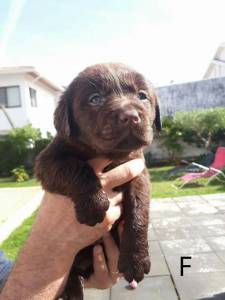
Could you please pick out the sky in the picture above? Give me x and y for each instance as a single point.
(167, 40)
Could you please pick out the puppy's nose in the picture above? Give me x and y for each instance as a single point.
(129, 116)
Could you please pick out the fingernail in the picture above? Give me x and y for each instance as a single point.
(97, 249)
(140, 165)
(122, 223)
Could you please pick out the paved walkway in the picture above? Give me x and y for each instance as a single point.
(16, 204)
(191, 226)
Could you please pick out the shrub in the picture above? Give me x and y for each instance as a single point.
(148, 158)
(40, 144)
(204, 128)
(171, 137)
(20, 147)
(20, 174)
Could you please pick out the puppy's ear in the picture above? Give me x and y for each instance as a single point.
(157, 122)
(155, 102)
(61, 117)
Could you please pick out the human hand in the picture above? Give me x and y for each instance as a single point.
(105, 265)
(109, 180)
(56, 216)
(43, 265)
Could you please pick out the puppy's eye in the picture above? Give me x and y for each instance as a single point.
(142, 95)
(96, 99)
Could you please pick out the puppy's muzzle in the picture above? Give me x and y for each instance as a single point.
(128, 117)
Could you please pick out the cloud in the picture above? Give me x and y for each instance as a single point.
(15, 12)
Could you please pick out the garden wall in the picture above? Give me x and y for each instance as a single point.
(160, 153)
(203, 94)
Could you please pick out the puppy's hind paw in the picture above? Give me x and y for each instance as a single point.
(134, 267)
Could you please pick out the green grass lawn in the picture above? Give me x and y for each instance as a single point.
(8, 182)
(161, 187)
(12, 245)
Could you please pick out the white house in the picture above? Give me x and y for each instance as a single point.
(27, 97)
(217, 65)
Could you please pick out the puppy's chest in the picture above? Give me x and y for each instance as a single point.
(85, 154)
(116, 161)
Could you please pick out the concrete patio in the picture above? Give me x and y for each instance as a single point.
(189, 226)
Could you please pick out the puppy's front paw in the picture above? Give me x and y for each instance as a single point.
(134, 265)
(91, 209)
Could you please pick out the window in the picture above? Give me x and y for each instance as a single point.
(10, 96)
(33, 97)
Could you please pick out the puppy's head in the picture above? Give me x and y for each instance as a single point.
(108, 107)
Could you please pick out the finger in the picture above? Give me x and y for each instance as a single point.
(99, 263)
(120, 229)
(112, 214)
(115, 198)
(112, 253)
(122, 173)
(98, 164)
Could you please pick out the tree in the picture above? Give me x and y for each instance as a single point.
(204, 128)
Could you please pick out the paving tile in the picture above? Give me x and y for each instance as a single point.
(173, 222)
(151, 234)
(93, 294)
(221, 255)
(172, 233)
(189, 198)
(162, 200)
(161, 210)
(212, 230)
(155, 247)
(208, 220)
(216, 202)
(197, 209)
(216, 243)
(158, 263)
(157, 288)
(200, 263)
(221, 208)
(213, 196)
(184, 247)
(200, 285)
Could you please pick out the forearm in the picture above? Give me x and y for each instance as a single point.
(44, 262)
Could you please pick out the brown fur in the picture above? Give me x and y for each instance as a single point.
(117, 127)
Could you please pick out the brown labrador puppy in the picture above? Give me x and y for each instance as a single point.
(108, 111)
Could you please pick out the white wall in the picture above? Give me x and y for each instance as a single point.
(17, 114)
(42, 115)
(217, 71)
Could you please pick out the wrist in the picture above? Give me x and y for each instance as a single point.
(44, 262)
(56, 224)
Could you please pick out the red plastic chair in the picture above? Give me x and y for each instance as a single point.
(212, 172)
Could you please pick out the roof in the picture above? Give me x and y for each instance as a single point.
(30, 70)
(218, 59)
